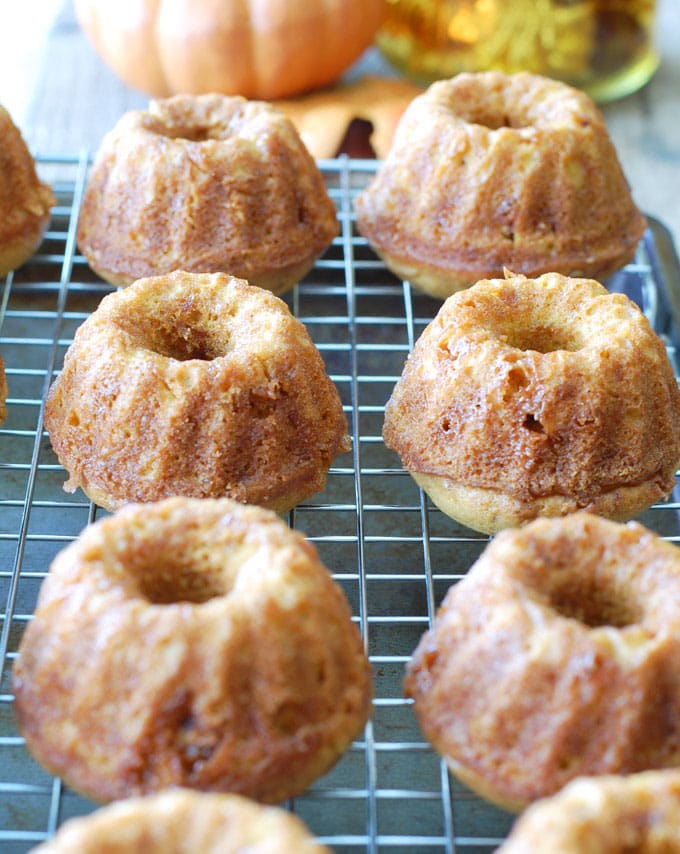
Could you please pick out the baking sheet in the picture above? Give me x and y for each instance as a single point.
(393, 553)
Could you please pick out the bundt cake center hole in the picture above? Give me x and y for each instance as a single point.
(193, 133)
(184, 344)
(168, 583)
(181, 587)
(532, 424)
(182, 333)
(495, 121)
(542, 339)
(184, 351)
(490, 117)
(595, 606)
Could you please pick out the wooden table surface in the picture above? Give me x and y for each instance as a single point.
(64, 98)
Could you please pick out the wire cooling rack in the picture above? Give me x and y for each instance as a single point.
(392, 552)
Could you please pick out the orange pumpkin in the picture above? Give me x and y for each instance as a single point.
(262, 49)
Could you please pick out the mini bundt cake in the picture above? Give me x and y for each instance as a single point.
(603, 815)
(511, 171)
(25, 201)
(197, 385)
(181, 821)
(206, 184)
(528, 397)
(556, 656)
(190, 642)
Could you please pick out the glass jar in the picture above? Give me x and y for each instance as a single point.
(605, 47)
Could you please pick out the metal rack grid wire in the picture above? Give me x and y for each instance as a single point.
(393, 553)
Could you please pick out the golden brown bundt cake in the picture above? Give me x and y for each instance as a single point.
(528, 397)
(603, 815)
(181, 821)
(556, 656)
(488, 171)
(196, 385)
(205, 183)
(190, 642)
(3, 392)
(25, 201)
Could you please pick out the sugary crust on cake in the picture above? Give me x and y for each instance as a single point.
(205, 184)
(556, 656)
(197, 385)
(25, 201)
(525, 396)
(636, 812)
(197, 643)
(181, 820)
(488, 171)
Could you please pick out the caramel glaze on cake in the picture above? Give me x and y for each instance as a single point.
(603, 815)
(488, 171)
(190, 642)
(197, 385)
(528, 397)
(205, 183)
(25, 201)
(556, 656)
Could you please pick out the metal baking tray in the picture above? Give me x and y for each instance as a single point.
(393, 553)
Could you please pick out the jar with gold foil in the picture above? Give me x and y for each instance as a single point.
(605, 47)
